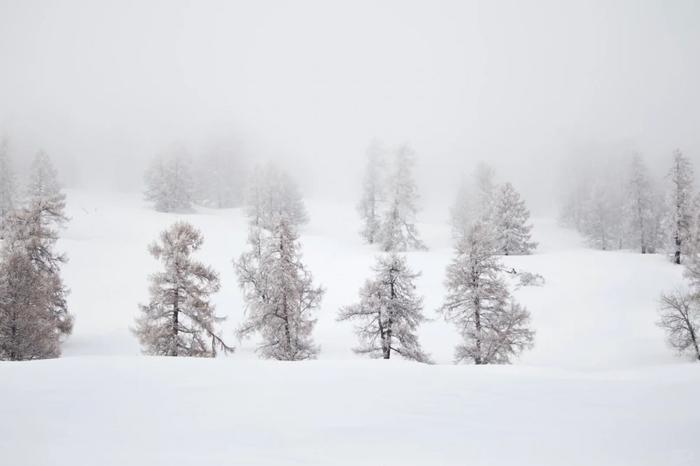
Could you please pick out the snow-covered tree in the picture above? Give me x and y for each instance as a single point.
(180, 319)
(510, 222)
(45, 189)
(8, 190)
(34, 316)
(399, 231)
(680, 318)
(681, 203)
(389, 312)
(169, 183)
(371, 202)
(278, 289)
(494, 327)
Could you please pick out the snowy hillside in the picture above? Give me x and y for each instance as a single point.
(599, 388)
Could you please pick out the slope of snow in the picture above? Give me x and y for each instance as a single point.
(597, 309)
(599, 388)
(158, 411)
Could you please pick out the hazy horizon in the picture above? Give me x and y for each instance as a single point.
(104, 87)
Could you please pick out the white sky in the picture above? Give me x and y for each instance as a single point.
(102, 86)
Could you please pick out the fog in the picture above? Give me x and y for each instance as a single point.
(105, 86)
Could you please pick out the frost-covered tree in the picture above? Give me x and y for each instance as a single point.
(494, 327)
(169, 183)
(399, 231)
(389, 312)
(278, 289)
(44, 189)
(371, 202)
(681, 203)
(510, 222)
(34, 316)
(680, 318)
(180, 319)
(8, 189)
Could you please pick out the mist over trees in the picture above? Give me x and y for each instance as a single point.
(389, 202)
(8, 187)
(278, 289)
(626, 206)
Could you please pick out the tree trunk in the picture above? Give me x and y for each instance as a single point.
(176, 324)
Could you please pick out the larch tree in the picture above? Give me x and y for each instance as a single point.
(371, 202)
(44, 189)
(219, 180)
(681, 203)
(602, 224)
(640, 205)
(34, 317)
(179, 319)
(461, 211)
(389, 312)
(399, 231)
(680, 318)
(169, 183)
(510, 222)
(495, 328)
(278, 289)
(8, 188)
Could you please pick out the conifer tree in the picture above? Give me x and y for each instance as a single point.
(8, 191)
(34, 317)
(278, 289)
(169, 183)
(44, 189)
(180, 319)
(510, 217)
(371, 202)
(494, 327)
(389, 312)
(399, 231)
(681, 203)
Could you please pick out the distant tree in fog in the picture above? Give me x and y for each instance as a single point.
(169, 183)
(494, 327)
(510, 222)
(681, 204)
(278, 289)
(219, 180)
(44, 189)
(34, 317)
(474, 201)
(8, 189)
(180, 319)
(644, 209)
(399, 231)
(602, 222)
(389, 312)
(680, 318)
(371, 202)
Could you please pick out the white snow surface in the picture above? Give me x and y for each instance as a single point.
(600, 387)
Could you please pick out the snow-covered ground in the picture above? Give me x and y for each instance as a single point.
(599, 388)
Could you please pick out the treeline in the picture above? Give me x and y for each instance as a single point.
(629, 208)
